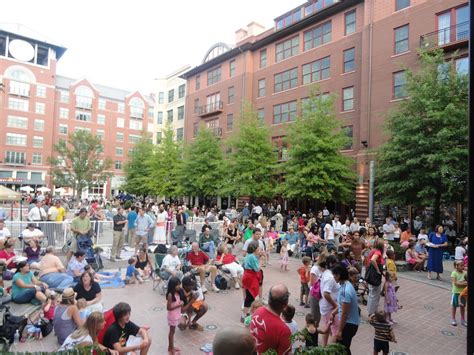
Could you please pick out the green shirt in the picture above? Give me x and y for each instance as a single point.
(81, 224)
(26, 278)
(248, 234)
(458, 276)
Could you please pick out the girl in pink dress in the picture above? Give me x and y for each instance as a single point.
(284, 257)
(391, 302)
(174, 306)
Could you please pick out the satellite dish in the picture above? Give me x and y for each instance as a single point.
(21, 50)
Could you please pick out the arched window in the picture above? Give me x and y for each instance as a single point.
(84, 96)
(137, 108)
(215, 51)
(19, 73)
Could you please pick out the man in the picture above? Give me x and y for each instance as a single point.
(329, 232)
(325, 212)
(206, 225)
(249, 231)
(256, 236)
(37, 213)
(52, 271)
(4, 232)
(117, 335)
(160, 230)
(266, 326)
(76, 265)
(355, 225)
(80, 226)
(31, 233)
(143, 224)
(234, 341)
(57, 214)
(245, 213)
(193, 303)
(131, 227)
(199, 262)
(181, 219)
(117, 244)
(388, 229)
(207, 244)
(292, 239)
(337, 225)
(357, 245)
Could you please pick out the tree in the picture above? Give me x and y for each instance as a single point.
(424, 162)
(316, 168)
(138, 169)
(165, 167)
(252, 162)
(202, 169)
(78, 163)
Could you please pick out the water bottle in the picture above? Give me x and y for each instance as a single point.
(16, 338)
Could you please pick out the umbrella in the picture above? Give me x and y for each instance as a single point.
(44, 189)
(27, 189)
(60, 190)
(9, 195)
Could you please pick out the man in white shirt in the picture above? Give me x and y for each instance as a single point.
(171, 264)
(337, 225)
(32, 233)
(325, 212)
(4, 233)
(355, 225)
(329, 232)
(37, 213)
(422, 235)
(346, 227)
(388, 229)
(160, 230)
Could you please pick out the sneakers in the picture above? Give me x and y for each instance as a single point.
(237, 287)
(454, 323)
(464, 323)
(215, 289)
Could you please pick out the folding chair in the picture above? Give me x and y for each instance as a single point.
(190, 235)
(158, 281)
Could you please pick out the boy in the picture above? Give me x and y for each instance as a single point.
(287, 316)
(458, 282)
(383, 333)
(132, 275)
(303, 271)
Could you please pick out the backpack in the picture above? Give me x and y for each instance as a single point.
(9, 324)
(221, 282)
(315, 291)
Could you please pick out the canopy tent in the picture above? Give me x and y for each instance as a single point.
(27, 189)
(9, 195)
(44, 189)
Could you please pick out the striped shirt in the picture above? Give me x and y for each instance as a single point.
(382, 331)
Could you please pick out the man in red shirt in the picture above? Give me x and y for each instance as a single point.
(199, 261)
(266, 326)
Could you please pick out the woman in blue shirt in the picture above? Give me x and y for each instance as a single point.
(25, 287)
(252, 277)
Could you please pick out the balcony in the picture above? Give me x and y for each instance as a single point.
(84, 105)
(217, 131)
(449, 38)
(210, 109)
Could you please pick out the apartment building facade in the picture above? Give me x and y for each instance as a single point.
(354, 49)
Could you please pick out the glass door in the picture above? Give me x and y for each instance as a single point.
(462, 23)
(444, 28)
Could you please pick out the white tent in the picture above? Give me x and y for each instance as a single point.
(44, 189)
(9, 195)
(27, 189)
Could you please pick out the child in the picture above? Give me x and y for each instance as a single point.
(383, 333)
(422, 235)
(463, 294)
(392, 267)
(412, 258)
(284, 257)
(174, 306)
(287, 317)
(253, 307)
(50, 305)
(311, 331)
(460, 250)
(458, 282)
(132, 275)
(303, 271)
(391, 303)
(83, 311)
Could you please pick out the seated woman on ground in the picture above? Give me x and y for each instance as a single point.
(89, 290)
(26, 287)
(143, 264)
(32, 251)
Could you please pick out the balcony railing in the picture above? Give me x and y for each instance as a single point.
(446, 37)
(217, 131)
(210, 109)
(84, 105)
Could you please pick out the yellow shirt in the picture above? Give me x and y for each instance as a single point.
(61, 214)
(392, 267)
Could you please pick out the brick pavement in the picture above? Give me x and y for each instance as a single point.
(423, 323)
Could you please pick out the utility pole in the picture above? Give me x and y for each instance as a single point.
(371, 190)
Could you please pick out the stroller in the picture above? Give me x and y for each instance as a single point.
(84, 243)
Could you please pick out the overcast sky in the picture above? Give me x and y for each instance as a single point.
(128, 43)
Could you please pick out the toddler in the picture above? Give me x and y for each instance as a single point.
(287, 316)
(303, 271)
(253, 307)
(284, 257)
(383, 333)
(391, 303)
(83, 311)
(311, 331)
(132, 275)
(50, 305)
(458, 284)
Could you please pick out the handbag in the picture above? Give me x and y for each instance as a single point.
(315, 291)
(46, 326)
(372, 276)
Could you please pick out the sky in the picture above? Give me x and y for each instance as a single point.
(128, 43)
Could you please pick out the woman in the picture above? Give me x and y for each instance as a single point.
(437, 240)
(329, 294)
(315, 276)
(26, 287)
(143, 263)
(89, 290)
(32, 251)
(66, 317)
(8, 257)
(171, 264)
(87, 334)
(252, 277)
(231, 235)
(375, 258)
(229, 263)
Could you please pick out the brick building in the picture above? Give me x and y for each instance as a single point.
(354, 49)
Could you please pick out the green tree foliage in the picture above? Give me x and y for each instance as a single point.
(252, 162)
(138, 168)
(202, 169)
(315, 167)
(424, 162)
(78, 162)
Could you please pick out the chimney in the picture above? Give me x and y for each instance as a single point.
(240, 34)
(254, 28)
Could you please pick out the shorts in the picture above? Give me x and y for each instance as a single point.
(335, 325)
(455, 300)
(304, 289)
(381, 345)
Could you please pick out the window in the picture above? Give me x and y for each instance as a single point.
(316, 5)
(20, 89)
(286, 80)
(15, 158)
(179, 134)
(284, 112)
(399, 85)
(317, 36)
(317, 70)
(101, 119)
(120, 107)
(40, 108)
(119, 137)
(181, 91)
(39, 125)
(37, 158)
(230, 122)
(63, 112)
(308, 104)
(16, 139)
(261, 88)
(349, 60)
(348, 98)
(261, 115)
(40, 91)
(37, 142)
(195, 129)
(232, 68)
(288, 19)
(196, 106)
(132, 138)
(231, 95)
(63, 129)
(287, 48)
(462, 65)
(214, 103)
(84, 96)
(83, 116)
(453, 25)
(64, 96)
(170, 95)
(137, 108)
(151, 112)
(263, 58)
(102, 104)
(120, 122)
(401, 4)
(118, 165)
(169, 116)
(136, 125)
(159, 117)
(18, 104)
(180, 112)
(401, 39)
(17, 122)
(119, 151)
(214, 76)
(198, 82)
(159, 136)
(161, 98)
(349, 134)
(350, 22)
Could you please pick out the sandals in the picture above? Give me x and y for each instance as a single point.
(438, 278)
(196, 326)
